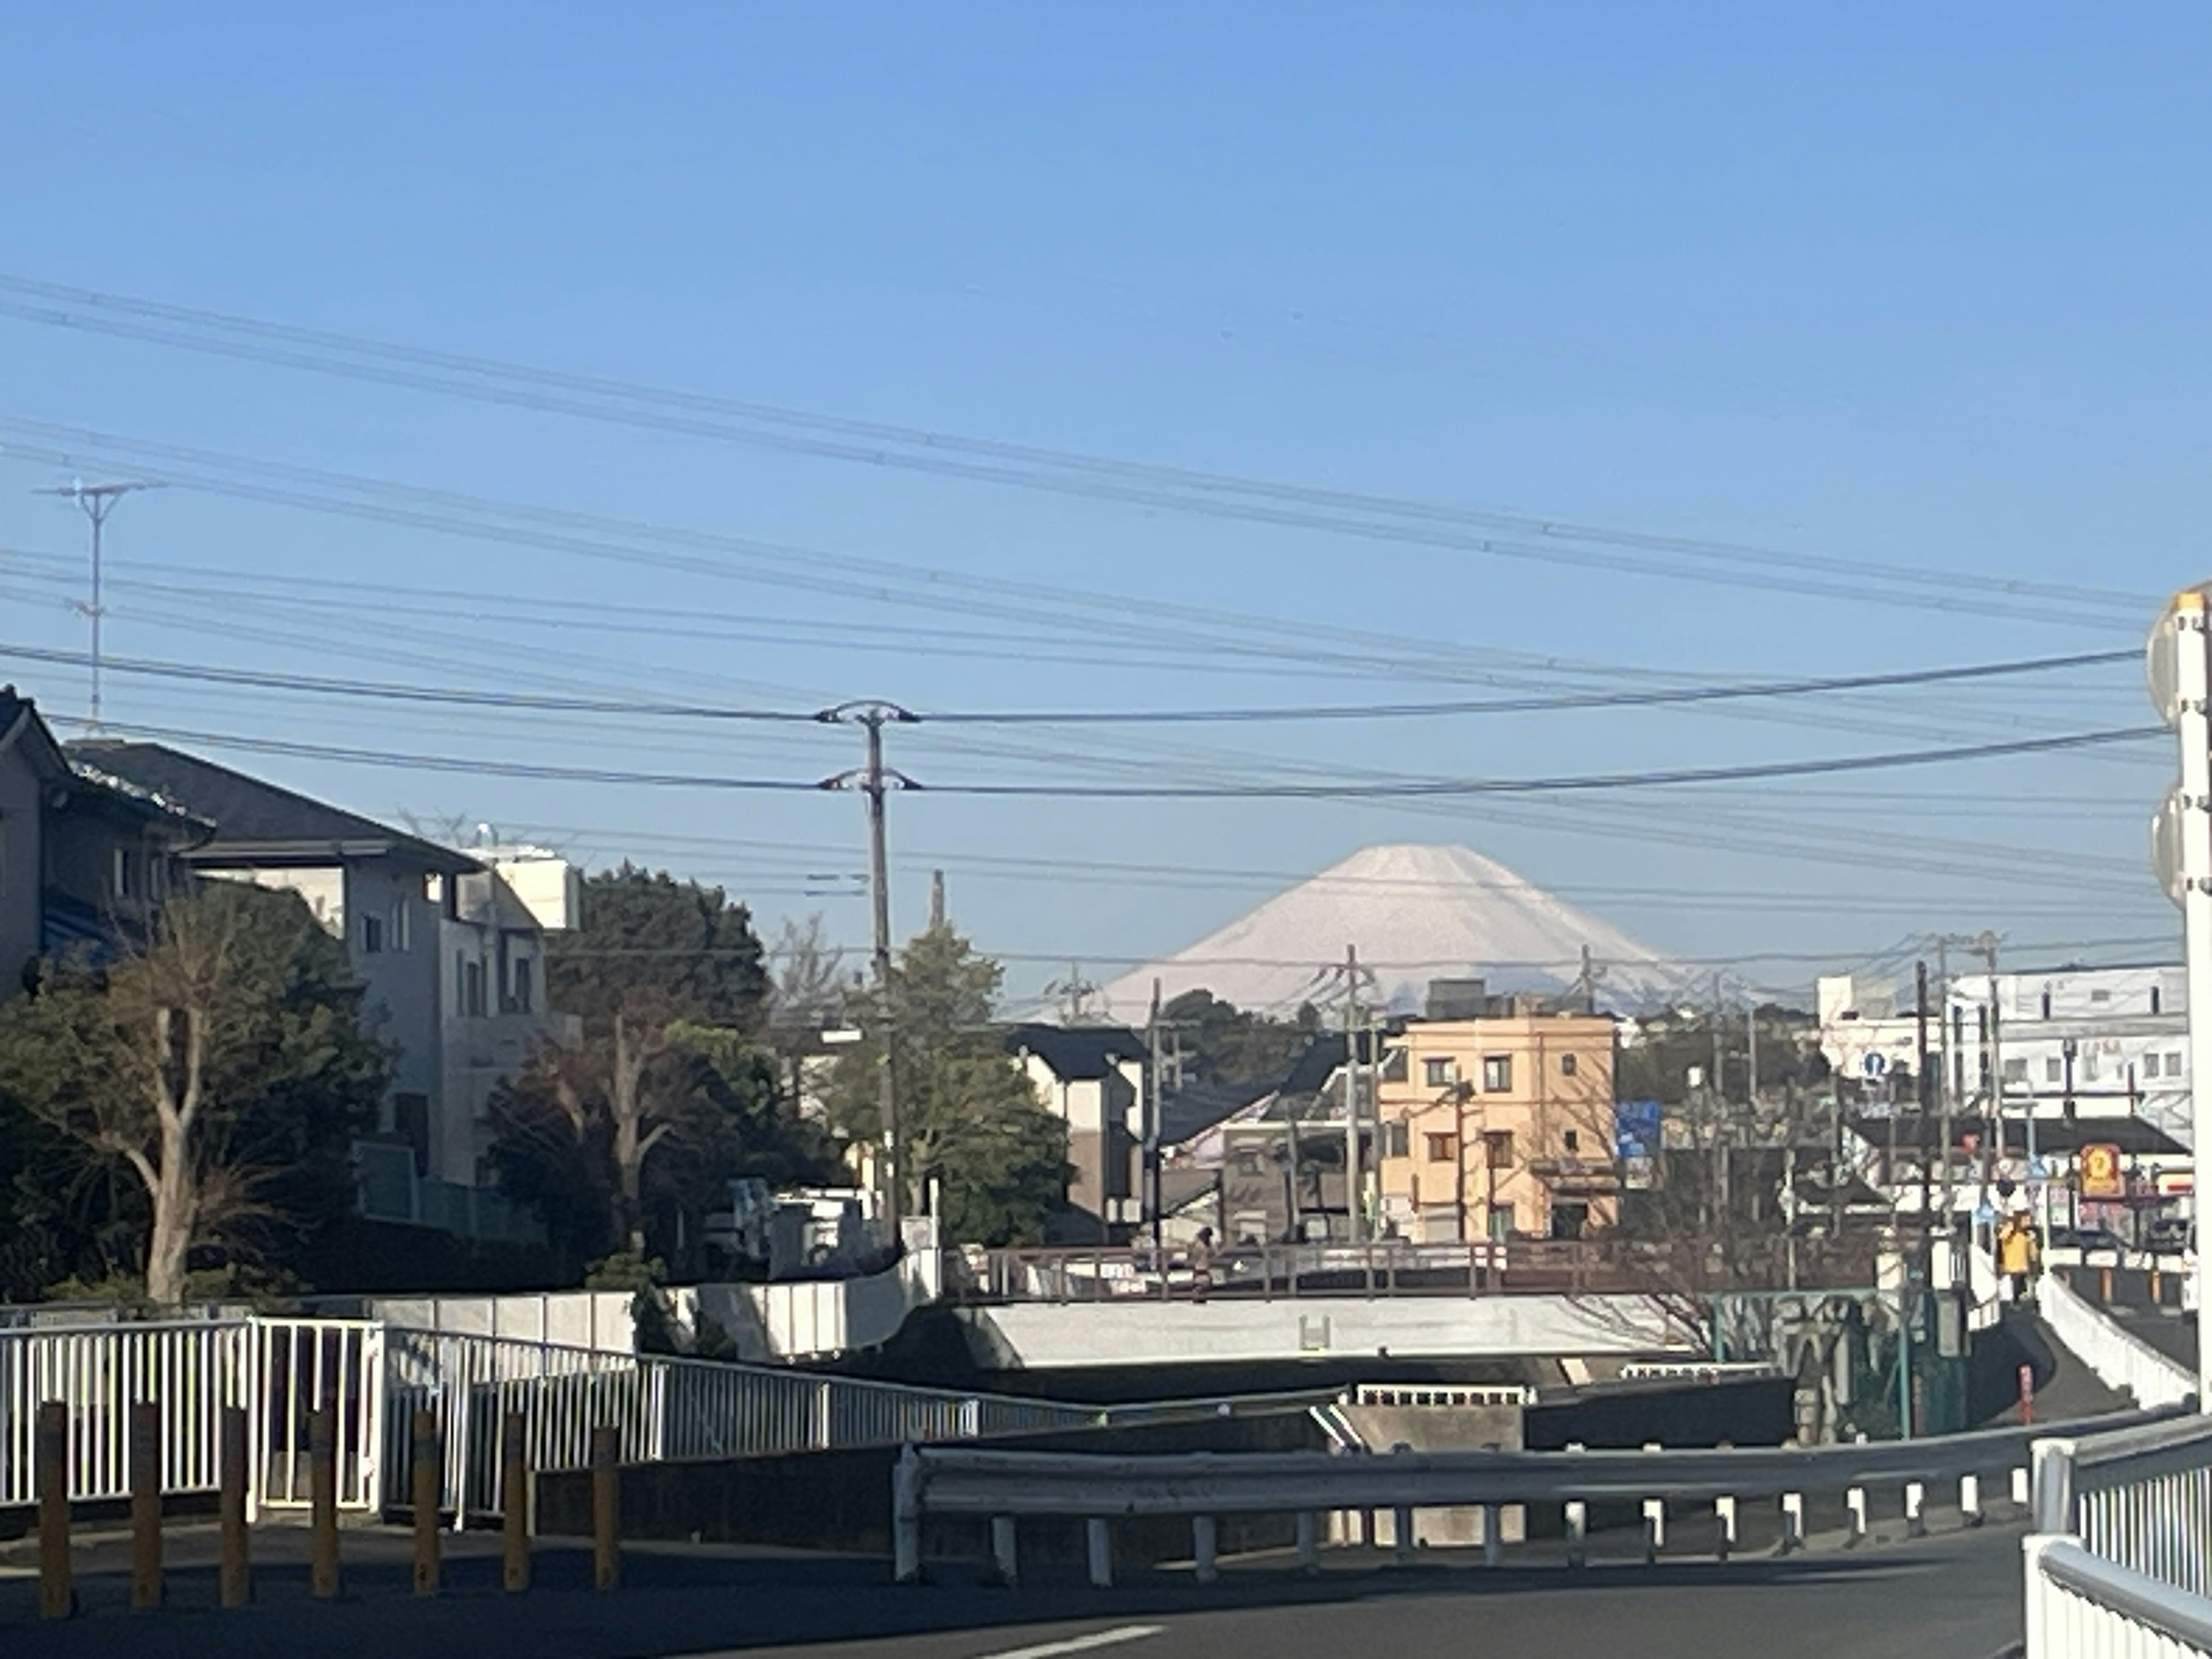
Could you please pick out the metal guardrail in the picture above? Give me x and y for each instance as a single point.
(2121, 1561)
(1007, 1485)
(2078, 1603)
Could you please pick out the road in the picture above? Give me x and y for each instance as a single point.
(1954, 1597)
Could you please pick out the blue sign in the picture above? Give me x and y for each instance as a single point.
(1636, 1128)
(1874, 1065)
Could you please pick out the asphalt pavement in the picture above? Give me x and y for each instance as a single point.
(1955, 1596)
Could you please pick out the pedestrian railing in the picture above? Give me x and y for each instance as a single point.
(1007, 1487)
(2121, 1561)
(372, 1379)
(1380, 1267)
(278, 1368)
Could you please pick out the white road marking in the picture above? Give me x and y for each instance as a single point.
(1097, 1638)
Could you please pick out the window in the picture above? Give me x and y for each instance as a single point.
(1566, 1064)
(522, 987)
(2153, 998)
(1497, 1073)
(1497, 1148)
(2015, 1071)
(2173, 1065)
(2150, 1065)
(1572, 1140)
(1501, 1221)
(2046, 1002)
(1444, 1149)
(403, 931)
(472, 986)
(2053, 1071)
(1437, 1071)
(2090, 1067)
(119, 872)
(460, 983)
(371, 935)
(2100, 996)
(1395, 1139)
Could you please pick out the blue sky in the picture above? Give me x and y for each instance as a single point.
(1893, 286)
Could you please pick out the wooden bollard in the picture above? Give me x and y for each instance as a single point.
(606, 1504)
(234, 1575)
(52, 1454)
(426, 1478)
(322, 1502)
(146, 1504)
(514, 1503)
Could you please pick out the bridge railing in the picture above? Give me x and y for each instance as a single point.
(2121, 1561)
(1006, 1486)
(1392, 1267)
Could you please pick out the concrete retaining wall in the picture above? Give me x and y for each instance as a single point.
(1064, 1336)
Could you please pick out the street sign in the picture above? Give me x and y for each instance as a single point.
(2101, 1175)
(1874, 1065)
(1985, 1211)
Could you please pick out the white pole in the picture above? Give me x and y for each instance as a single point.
(2193, 689)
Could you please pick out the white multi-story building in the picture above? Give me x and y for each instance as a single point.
(2085, 1042)
(449, 946)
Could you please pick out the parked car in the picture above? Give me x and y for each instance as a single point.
(2170, 1235)
(2089, 1241)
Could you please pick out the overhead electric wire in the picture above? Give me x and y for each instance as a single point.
(387, 691)
(1410, 789)
(880, 445)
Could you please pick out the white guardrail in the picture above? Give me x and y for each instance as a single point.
(1005, 1487)
(2121, 1559)
(2120, 1359)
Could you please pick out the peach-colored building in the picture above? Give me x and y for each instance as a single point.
(1499, 1127)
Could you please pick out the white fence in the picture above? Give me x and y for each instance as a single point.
(2121, 1561)
(277, 1368)
(374, 1377)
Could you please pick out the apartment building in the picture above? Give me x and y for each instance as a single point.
(1496, 1118)
(1092, 1078)
(449, 952)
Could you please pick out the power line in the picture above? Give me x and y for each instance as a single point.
(886, 445)
(266, 680)
(1408, 789)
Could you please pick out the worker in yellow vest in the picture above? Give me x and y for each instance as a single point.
(2019, 1256)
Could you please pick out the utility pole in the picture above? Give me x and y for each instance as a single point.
(98, 500)
(1156, 1074)
(936, 901)
(874, 780)
(1716, 1093)
(1355, 1172)
(1987, 946)
(1921, 1084)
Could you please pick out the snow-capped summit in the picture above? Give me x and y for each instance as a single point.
(1414, 913)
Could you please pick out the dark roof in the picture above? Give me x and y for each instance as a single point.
(2059, 1135)
(1077, 1054)
(18, 718)
(1311, 1071)
(255, 820)
(1190, 1111)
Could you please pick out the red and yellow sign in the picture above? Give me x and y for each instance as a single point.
(2101, 1176)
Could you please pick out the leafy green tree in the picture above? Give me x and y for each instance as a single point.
(1223, 1043)
(222, 1069)
(970, 1124)
(667, 1092)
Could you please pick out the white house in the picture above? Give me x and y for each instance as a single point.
(450, 953)
(1092, 1078)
